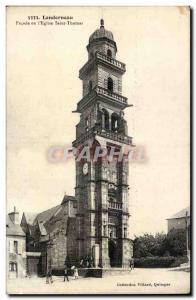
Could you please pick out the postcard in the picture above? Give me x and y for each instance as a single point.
(98, 150)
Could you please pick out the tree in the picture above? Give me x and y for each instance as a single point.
(158, 249)
(175, 242)
(148, 245)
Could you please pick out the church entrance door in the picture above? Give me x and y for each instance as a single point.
(113, 253)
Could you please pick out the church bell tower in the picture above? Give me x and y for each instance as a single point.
(102, 190)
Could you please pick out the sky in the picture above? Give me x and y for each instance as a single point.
(43, 89)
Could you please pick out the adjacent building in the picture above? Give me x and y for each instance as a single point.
(180, 220)
(50, 237)
(16, 246)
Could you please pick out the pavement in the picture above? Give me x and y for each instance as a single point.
(139, 281)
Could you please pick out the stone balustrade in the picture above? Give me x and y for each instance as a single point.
(104, 133)
(102, 91)
(104, 58)
(110, 60)
(114, 136)
(115, 205)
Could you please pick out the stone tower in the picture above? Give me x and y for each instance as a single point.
(101, 184)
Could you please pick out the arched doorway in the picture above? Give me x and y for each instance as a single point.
(113, 253)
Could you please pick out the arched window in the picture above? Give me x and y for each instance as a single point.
(109, 53)
(99, 118)
(90, 86)
(105, 119)
(110, 84)
(114, 122)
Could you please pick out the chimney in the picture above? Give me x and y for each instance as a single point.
(14, 216)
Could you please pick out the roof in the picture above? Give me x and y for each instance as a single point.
(13, 229)
(57, 222)
(42, 229)
(180, 214)
(101, 33)
(30, 217)
(46, 215)
(48, 220)
(68, 198)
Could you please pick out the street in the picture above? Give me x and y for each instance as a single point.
(140, 281)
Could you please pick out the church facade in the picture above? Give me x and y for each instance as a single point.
(90, 230)
(102, 190)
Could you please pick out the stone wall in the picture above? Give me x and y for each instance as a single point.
(58, 250)
(103, 75)
(71, 240)
(62, 236)
(127, 252)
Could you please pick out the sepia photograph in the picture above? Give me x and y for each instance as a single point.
(98, 150)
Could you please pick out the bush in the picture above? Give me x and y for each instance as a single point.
(179, 260)
(159, 262)
(173, 244)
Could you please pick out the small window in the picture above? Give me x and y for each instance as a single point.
(12, 267)
(109, 53)
(16, 247)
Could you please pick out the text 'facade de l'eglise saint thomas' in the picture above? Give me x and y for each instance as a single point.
(102, 191)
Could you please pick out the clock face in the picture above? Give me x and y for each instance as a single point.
(85, 169)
